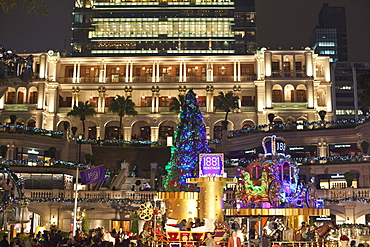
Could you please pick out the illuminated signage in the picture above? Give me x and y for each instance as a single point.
(211, 165)
(337, 175)
(253, 151)
(296, 148)
(342, 145)
(33, 151)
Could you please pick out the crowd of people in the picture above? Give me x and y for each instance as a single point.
(54, 238)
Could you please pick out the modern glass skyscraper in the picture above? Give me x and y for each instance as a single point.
(163, 27)
(330, 36)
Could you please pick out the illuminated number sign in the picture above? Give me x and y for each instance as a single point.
(211, 165)
(273, 145)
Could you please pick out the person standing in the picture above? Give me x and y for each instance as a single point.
(234, 240)
(4, 242)
(7, 187)
(210, 242)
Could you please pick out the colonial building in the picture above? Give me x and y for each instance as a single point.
(293, 85)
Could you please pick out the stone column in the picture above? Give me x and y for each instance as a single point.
(209, 71)
(237, 92)
(268, 94)
(53, 97)
(102, 77)
(154, 132)
(268, 63)
(75, 92)
(127, 133)
(101, 99)
(40, 95)
(309, 63)
(209, 98)
(155, 94)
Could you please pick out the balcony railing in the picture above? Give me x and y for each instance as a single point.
(92, 195)
(148, 79)
(289, 105)
(19, 107)
(344, 193)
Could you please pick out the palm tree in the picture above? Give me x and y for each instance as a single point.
(82, 110)
(122, 106)
(227, 102)
(177, 104)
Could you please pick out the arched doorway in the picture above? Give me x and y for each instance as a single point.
(111, 131)
(91, 130)
(247, 124)
(32, 95)
(31, 123)
(141, 131)
(10, 96)
(166, 129)
(217, 129)
(21, 96)
(289, 93)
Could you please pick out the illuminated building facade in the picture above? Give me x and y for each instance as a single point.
(115, 27)
(293, 85)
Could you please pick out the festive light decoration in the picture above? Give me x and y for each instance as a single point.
(190, 140)
(333, 159)
(32, 130)
(246, 131)
(56, 163)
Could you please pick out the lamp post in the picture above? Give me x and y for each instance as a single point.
(155, 212)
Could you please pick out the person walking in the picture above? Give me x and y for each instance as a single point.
(234, 240)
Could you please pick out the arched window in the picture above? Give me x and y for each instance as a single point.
(277, 93)
(301, 93)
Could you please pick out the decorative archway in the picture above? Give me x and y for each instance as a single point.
(217, 128)
(247, 124)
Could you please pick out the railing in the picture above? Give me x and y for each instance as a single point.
(19, 107)
(147, 79)
(344, 193)
(68, 194)
(289, 105)
(288, 73)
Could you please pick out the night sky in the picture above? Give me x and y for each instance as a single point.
(280, 23)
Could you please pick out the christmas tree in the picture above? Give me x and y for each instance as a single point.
(189, 141)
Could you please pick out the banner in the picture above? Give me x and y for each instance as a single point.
(93, 175)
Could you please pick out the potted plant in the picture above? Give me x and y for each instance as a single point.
(349, 177)
(364, 146)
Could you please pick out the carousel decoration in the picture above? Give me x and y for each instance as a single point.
(272, 181)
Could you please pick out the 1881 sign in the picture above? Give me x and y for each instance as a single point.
(211, 165)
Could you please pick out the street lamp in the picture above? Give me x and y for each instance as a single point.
(155, 212)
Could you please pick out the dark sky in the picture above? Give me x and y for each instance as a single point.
(280, 23)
